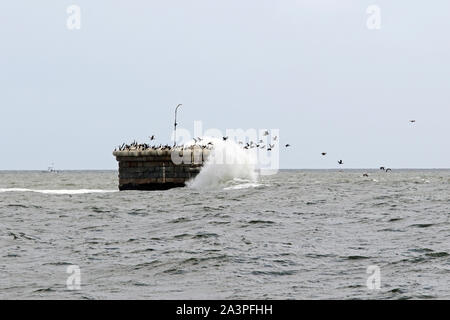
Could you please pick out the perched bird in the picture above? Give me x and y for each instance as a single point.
(341, 162)
(324, 153)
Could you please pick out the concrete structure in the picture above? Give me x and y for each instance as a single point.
(159, 169)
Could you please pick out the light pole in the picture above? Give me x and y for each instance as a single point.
(175, 126)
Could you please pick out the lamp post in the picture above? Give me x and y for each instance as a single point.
(175, 126)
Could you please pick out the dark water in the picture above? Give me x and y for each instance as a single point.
(294, 235)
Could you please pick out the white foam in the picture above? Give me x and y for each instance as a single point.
(243, 186)
(62, 191)
(227, 162)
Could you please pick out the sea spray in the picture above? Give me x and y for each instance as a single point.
(228, 164)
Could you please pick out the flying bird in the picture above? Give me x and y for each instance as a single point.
(288, 145)
(152, 137)
(412, 121)
(225, 138)
(324, 153)
(341, 162)
(266, 133)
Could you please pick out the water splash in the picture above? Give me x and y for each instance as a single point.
(228, 165)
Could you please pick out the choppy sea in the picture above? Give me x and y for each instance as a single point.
(298, 234)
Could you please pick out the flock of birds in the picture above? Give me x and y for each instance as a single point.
(260, 144)
(134, 146)
(340, 162)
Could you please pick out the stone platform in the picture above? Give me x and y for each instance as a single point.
(159, 169)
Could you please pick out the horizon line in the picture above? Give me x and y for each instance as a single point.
(356, 168)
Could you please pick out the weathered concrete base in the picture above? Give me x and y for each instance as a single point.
(156, 170)
(150, 186)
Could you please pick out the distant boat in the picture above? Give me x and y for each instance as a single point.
(51, 169)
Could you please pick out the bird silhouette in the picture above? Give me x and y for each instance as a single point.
(341, 162)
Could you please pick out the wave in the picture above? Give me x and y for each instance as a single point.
(227, 164)
(62, 192)
(237, 184)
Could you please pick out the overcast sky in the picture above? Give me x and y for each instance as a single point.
(310, 68)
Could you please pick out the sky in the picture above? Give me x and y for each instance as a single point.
(312, 69)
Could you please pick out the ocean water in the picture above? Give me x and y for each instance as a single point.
(299, 234)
